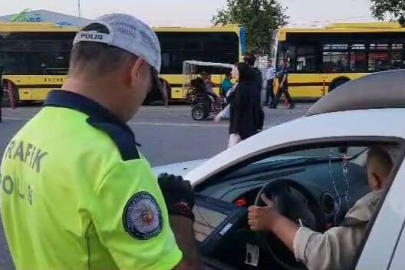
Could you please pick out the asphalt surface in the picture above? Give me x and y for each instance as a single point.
(167, 135)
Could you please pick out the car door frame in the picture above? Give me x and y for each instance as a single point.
(386, 229)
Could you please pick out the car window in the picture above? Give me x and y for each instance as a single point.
(335, 174)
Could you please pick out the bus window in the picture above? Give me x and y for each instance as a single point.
(305, 59)
(374, 46)
(353, 49)
(178, 47)
(379, 61)
(39, 54)
(358, 61)
(165, 60)
(397, 61)
(335, 62)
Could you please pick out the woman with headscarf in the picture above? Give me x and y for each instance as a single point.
(244, 112)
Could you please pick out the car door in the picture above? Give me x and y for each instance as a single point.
(388, 226)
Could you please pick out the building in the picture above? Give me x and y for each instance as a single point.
(45, 16)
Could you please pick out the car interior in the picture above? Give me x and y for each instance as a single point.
(314, 185)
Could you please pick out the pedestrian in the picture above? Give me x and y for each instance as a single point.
(77, 193)
(250, 59)
(283, 86)
(226, 84)
(242, 106)
(270, 75)
(1, 91)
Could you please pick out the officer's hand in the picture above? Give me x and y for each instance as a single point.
(178, 194)
(263, 218)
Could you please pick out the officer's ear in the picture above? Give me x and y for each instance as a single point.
(136, 68)
(139, 72)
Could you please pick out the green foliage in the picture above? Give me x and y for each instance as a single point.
(382, 8)
(259, 17)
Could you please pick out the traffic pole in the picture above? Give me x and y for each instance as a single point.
(323, 88)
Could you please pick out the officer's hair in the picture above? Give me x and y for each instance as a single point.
(380, 160)
(95, 59)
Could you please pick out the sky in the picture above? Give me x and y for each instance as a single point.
(197, 12)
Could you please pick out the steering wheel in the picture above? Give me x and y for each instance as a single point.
(307, 212)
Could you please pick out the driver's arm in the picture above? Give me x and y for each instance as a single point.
(334, 249)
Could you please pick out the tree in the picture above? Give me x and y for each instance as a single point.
(393, 8)
(259, 17)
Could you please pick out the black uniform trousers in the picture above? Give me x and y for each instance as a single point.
(269, 92)
(280, 91)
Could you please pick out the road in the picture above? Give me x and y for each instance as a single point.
(167, 135)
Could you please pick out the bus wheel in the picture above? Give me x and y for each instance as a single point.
(338, 82)
(6, 101)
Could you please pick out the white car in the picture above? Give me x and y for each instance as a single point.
(316, 165)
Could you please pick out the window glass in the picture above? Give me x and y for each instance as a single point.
(36, 54)
(165, 60)
(212, 47)
(306, 59)
(379, 46)
(397, 61)
(335, 61)
(379, 61)
(335, 47)
(358, 61)
(358, 46)
(397, 46)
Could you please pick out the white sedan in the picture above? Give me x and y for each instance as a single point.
(320, 161)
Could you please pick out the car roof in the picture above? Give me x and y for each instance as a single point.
(375, 91)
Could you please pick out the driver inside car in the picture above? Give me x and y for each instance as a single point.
(335, 248)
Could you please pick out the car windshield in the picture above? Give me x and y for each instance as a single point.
(334, 152)
(300, 157)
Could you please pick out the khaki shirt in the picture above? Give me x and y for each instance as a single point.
(335, 249)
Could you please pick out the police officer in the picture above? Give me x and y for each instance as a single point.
(270, 74)
(283, 87)
(336, 248)
(75, 191)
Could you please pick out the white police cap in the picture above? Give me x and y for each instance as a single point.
(127, 33)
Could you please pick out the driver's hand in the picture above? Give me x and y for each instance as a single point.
(263, 218)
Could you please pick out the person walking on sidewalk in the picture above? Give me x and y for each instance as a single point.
(283, 86)
(250, 59)
(270, 75)
(243, 110)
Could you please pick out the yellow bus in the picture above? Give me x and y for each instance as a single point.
(321, 59)
(35, 56)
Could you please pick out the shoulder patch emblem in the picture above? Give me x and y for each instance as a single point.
(142, 217)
